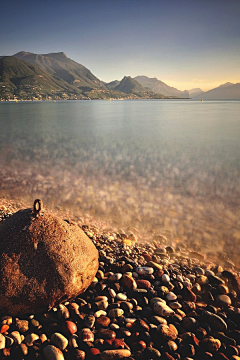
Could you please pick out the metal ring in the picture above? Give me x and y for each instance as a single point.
(37, 206)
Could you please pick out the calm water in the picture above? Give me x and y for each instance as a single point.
(164, 167)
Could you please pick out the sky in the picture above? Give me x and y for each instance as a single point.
(185, 43)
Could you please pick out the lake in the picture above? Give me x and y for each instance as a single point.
(162, 167)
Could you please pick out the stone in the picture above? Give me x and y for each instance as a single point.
(152, 353)
(59, 340)
(70, 327)
(16, 337)
(63, 312)
(100, 313)
(128, 282)
(51, 352)
(215, 321)
(165, 279)
(24, 349)
(86, 335)
(224, 300)
(144, 270)
(210, 344)
(115, 313)
(2, 341)
(115, 277)
(155, 265)
(143, 284)
(158, 320)
(121, 296)
(102, 321)
(171, 296)
(44, 260)
(162, 309)
(166, 333)
(106, 334)
(22, 325)
(115, 354)
(30, 338)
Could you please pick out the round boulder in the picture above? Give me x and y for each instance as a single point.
(44, 260)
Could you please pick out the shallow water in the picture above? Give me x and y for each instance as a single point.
(163, 167)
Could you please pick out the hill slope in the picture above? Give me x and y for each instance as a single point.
(226, 91)
(26, 81)
(160, 87)
(62, 67)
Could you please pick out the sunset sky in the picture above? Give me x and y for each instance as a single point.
(185, 43)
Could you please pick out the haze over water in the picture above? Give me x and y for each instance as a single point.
(163, 167)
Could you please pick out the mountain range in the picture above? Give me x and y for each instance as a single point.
(226, 91)
(160, 87)
(29, 76)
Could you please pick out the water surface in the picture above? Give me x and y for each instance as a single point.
(163, 167)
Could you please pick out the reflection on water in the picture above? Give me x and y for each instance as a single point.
(164, 167)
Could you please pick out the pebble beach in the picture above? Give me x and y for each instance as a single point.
(150, 299)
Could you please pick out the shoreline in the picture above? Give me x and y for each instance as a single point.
(147, 301)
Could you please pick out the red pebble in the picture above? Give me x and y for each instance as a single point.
(94, 351)
(158, 274)
(143, 284)
(137, 346)
(70, 327)
(4, 328)
(147, 257)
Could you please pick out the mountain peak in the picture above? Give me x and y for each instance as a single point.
(60, 56)
(226, 84)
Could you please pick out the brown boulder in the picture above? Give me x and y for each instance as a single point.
(44, 261)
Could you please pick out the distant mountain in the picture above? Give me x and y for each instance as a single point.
(62, 67)
(195, 92)
(226, 91)
(25, 81)
(111, 85)
(129, 85)
(160, 87)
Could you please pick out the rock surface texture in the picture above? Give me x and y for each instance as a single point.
(44, 261)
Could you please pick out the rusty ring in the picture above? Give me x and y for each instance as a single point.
(37, 206)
